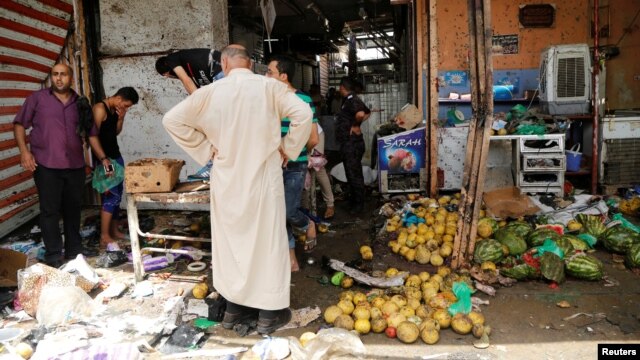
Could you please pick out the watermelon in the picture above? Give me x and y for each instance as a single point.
(512, 240)
(552, 267)
(583, 266)
(591, 224)
(576, 242)
(564, 244)
(520, 272)
(520, 227)
(619, 239)
(488, 250)
(538, 236)
(486, 227)
(632, 259)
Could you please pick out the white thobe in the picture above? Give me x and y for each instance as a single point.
(238, 119)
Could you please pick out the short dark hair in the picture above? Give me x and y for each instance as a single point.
(162, 66)
(128, 93)
(286, 65)
(348, 83)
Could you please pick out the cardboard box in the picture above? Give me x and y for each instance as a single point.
(10, 262)
(152, 175)
(508, 202)
(408, 117)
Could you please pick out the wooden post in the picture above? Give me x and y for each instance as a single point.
(432, 126)
(481, 78)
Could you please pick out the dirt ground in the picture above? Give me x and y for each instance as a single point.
(526, 322)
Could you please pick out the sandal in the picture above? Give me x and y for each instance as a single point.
(310, 244)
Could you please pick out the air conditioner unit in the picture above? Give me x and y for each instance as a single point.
(565, 79)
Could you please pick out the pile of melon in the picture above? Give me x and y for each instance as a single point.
(429, 240)
(419, 309)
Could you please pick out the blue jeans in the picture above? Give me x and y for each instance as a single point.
(293, 176)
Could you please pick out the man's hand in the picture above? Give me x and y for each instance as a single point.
(121, 111)
(355, 130)
(27, 161)
(108, 167)
(285, 159)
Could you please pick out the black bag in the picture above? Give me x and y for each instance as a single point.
(217, 306)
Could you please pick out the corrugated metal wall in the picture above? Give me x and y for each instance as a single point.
(32, 35)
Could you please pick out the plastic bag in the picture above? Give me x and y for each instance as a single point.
(111, 259)
(462, 292)
(531, 129)
(625, 222)
(101, 182)
(550, 246)
(589, 239)
(86, 277)
(328, 344)
(272, 348)
(63, 305)
(31, 281)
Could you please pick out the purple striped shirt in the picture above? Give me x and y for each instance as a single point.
(54, 142)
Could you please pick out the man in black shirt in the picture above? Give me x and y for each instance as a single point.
(194, 67)
(349, 137)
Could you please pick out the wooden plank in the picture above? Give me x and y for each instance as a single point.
(17, 197)
(10, 60)
(9, 162)
(35, 14)
(9, 110)
(15, 179)
(31, 31)
(18, 210)
(85, 79)
(9, 76)
(433, 91)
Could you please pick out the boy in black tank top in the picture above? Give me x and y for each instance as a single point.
(108, 116)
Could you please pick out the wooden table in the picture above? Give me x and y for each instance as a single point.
(196, 196)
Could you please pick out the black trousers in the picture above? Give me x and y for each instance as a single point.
(60, 193)
(352, 151)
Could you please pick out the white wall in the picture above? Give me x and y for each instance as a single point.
(131, 34)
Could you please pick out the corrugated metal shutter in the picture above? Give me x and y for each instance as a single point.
(32, 35)
(324, 75)
(307, 77)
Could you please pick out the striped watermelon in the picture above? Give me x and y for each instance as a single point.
(520, 227)
(552, 267)
(564, 244)
(538, 236)
(488, 250)
(576, 242)
(583, 266)
(633, 256)
(619, 239)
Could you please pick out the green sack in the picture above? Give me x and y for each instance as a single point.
(462, 291)
(626, 223)
(101, 182)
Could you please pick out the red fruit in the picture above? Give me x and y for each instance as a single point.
(391, 332)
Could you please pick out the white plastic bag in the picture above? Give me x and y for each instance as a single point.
(62, 305)
(328, 344)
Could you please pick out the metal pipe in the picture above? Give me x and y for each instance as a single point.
(196, 255)
(172, 237)
(596, 94)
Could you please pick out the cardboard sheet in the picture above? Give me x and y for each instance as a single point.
(508, 202)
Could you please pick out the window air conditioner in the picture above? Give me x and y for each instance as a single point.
(565, 79)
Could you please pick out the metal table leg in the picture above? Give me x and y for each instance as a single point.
(132, 215)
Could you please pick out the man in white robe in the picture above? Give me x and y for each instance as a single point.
(236, 122)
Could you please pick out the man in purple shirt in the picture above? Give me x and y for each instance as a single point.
(56, 158)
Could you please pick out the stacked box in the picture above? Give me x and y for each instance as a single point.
(152, 175)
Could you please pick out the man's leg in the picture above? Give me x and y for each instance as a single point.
(352, 156)
(50, 189)
(293, 184)
(71, 210)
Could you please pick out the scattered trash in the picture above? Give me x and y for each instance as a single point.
(482, 343)
(72, 305)
(111, 259)
(208, 353)
(204, 323)
(142, 289)
(196, 266)
(363, 278)
(198, 307)
(608, 281)
(114, 290)
(563, 304)
(185, 337)
(489, 290)
(86, 277)
(272, 348)
(328, 344)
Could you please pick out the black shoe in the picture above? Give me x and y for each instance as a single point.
(271, 321)
(55, 263)
(86, 253)
(232, 319)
